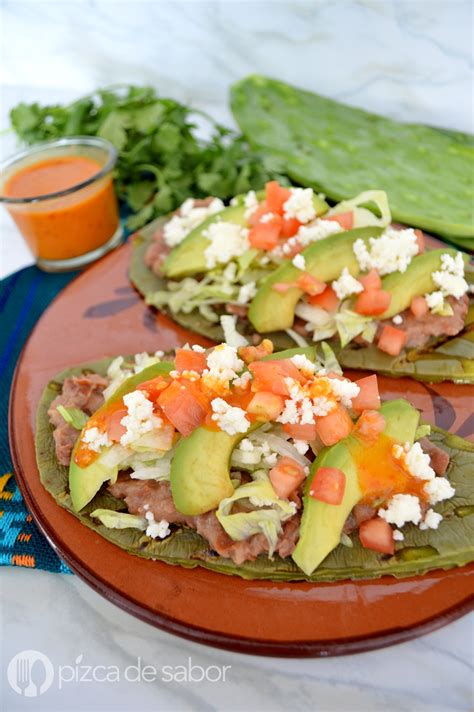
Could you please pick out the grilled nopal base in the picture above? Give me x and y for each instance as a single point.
(451, 359)
(449, 546)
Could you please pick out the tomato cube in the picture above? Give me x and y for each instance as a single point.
(328, 485)
(276, 196)
(271, 375)
(345, 220)
(301, 431)
(372, 302)
(377, 534)
(392, 340)
(264, 236)
(286, 476)
(183, 406)
(335, 426)
(419, 307)
(188, 360)
(370, 424)
(327, 300)
(266, 405)
(371, 280)
(369, 396)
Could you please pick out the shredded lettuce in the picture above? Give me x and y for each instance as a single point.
(422, 431)
(362, 216)
(328, 358)
(119, 520)
(323, 323)
(73, 416)
(267, 519)
(231, 335)
(349, 325)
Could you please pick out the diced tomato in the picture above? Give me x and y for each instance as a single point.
(187, 360)
(276, 196)
(369, 396)
(420, 239)
(328, 485)
(419, 307)
(326, 300)
(286, 476)
(310, 284)
(372, 302)
(271, 375)
(266, 405)
(345, 220)
(377, 534)
(183, 407)
(290, 227)
(335, 426)
(264, 236)
(370, 424)
(283, 287)
(154, 387)
(255, 353)
(371, 280)
(114, 428)
(261, 210)
(301, 431)
(392, 340)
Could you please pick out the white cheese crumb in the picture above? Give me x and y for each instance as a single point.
(242, 381)
(140, 418)
(157, 530)
(401, 508)
(431, 520)
(247, 292)
(198, 349)
(450, 278)
(301, 446)
(299, 262)
(271, 459)
(439, 489)
(246, 445)
(227, 241)
(344, 390)
(300, 205)
(303, 363)
(267, 217)
(230, 419)
(251, 204)
(95, 439)
(397, 319)
(415, 460)
(435, 300)
(188, 218)
(398, 535)
(317, 230)
(346, 285)
(391, 252)
(223, 363)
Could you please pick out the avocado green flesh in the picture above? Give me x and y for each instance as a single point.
(188, 257)
(446, 547)
(322, 523)
(341, 150)
(273, 311)
(416, 281)
(200, 470)
(85, 482)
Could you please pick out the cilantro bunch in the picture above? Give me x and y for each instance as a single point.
(161, 160)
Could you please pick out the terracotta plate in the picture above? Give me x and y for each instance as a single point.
(98, 315)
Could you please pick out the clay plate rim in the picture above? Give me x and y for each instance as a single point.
(295, 649)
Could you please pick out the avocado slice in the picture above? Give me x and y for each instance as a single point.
(188, 257)
(272, 311)
(85, 482)
(415, 281)
(321, 523)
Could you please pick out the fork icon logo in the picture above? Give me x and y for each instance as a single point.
(30, 673)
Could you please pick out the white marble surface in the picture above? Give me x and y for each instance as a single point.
(61, 617)
(411, 60)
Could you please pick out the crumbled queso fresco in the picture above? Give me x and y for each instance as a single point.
(450, 280)
(227, 241)
(346, 285)
(95, 439)
(404, 508)
(230, 419)
(391, 252)
(300, 205)
(140, 418)
(299, 262)
(188, 218)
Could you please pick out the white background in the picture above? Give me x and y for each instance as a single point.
(410, 60)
